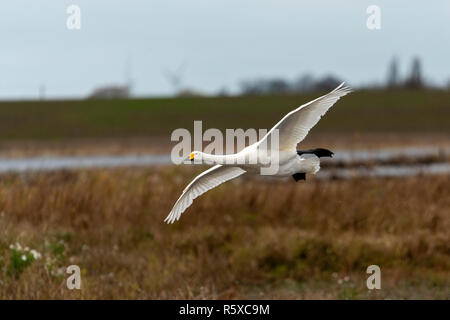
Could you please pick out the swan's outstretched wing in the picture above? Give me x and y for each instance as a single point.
(205, 181)
(294, 127)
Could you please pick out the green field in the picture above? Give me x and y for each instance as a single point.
(376, 111)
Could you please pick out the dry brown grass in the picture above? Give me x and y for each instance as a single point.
(250, 238)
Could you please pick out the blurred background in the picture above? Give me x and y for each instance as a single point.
(90, 93)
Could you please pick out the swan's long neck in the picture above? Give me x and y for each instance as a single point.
(218, 158)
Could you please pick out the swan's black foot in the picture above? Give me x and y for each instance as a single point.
(299, 176)
(320, 152)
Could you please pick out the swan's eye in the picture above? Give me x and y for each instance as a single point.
(191, 156)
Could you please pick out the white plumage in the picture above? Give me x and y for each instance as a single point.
(292, 129)
(205, 181)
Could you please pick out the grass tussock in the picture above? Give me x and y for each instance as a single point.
(250, 238)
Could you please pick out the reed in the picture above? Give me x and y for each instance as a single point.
(249, 238)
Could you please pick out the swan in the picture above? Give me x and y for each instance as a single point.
(290, 130)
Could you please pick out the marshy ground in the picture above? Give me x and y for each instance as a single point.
(249, 238)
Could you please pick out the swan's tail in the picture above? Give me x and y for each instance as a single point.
(310, 163)
(320, 152)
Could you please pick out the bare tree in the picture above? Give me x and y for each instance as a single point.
(305, 83)
(277, 86)
(393, 78)
(265, 86)
(414, 81)
(327, 83)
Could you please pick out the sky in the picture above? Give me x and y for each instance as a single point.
(216, 43)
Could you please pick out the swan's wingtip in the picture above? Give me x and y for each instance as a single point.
(172, 217)
(168, 219)
(342, 88)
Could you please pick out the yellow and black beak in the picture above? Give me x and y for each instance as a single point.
(191, 157)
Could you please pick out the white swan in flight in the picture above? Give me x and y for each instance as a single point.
(291, 130)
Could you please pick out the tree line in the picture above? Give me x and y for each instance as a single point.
(308, 83)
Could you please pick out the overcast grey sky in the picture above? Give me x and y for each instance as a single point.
(220, 42)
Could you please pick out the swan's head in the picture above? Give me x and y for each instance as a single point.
(196, 156)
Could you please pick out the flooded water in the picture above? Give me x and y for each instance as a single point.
(343, 156)
(348, 156)
(385, 171)
(57, 163)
